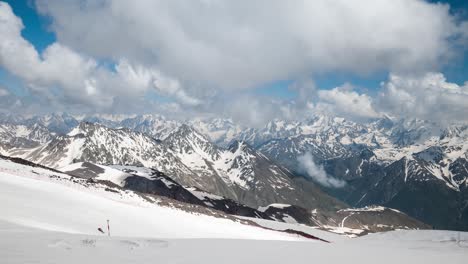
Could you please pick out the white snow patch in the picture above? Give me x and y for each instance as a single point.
(36, 199)
(276, 205)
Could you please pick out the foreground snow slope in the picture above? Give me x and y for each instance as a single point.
(49, 217)
(47, 200)
(20, 244)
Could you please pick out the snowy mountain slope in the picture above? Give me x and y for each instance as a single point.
(411, 186)
(239, 173)
(152, 181)
(381, 132)
(249, 176)
(60, 123)
(23, 136)
(97, 119)
(268, 183)
(237, 168)
(20, 244)
(101, 145)
(427, 185)
(154, 125)
(197, 153)
(434, 153)
(139, 179)
(349, 221)
(224, 131)
(66, 204)
(287, 151)
(218, 130)
(432, 159)
(89, 170)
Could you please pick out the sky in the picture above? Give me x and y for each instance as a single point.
(252, 61)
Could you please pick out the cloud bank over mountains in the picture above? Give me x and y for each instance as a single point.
(207, 57)
(428, 97)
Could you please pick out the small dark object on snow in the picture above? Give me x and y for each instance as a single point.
(100, 230)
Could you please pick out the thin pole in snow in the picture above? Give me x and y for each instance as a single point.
(108, 228)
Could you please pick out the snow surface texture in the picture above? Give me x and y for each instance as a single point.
(108, 174)
(48, 218)
(20, 244)
(36, 199)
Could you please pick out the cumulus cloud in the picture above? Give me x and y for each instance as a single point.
(72, 77)
(245, 108)
(317, 172)
(58, 65)
(4, 92)
(240, 44)
(206, 56)
(427, 96)
(143, 77)
(346, 102)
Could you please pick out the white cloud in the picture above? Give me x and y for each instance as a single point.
(4, 92)
(240, 44)
(317, 172)
(345, 102)
(201, 53)
(139, 76)
(72, 77)
(427, 96)
(57, 66)
(244, 108)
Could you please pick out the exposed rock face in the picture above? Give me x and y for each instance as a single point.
(251, 178)
(150, 181)
(352, 221)
(426, 185)
(414, 166)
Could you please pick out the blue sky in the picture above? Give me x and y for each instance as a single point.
(36, 26)
(40, 32)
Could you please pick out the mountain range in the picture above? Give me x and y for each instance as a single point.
(415, 166)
